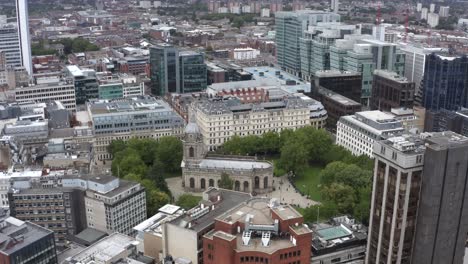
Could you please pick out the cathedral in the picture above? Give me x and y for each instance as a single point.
(201, 171)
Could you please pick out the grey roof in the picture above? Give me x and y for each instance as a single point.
(30, 233)
(192, 128)
(229, 199)
(233, 164)
(90, 235)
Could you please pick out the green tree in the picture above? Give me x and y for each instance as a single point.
(116, 146)
(128, 161)
(362, 209)
(226, 182)
(294, 157)
(342, 195)
(155, 199)
(188, 201)
(169, 152)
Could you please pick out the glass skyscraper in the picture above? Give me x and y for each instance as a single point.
(192, 72)
(445, 82)
(164, 65)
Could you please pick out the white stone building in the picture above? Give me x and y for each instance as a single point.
(219, 120)
(357, 133)
(50, 90)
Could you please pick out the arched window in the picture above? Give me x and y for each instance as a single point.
(265, 183)
(191, 152)
(192, 183)
(246, 186)
(202, 183)
(237, 186)
(257, 183)
(211, 183)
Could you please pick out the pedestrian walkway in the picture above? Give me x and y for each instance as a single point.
(284, 191)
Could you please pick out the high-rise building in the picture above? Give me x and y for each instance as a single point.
(444, 11)
(164, 64)
(85, 82)
(415, 60)
(193, 76)
(418, 7)
(22, 18)
(290, 27)
(10, 45)
(390, 90)
(24, 243)
(424, 13)
(395, 192)
(433, 20)
(418, 209)
(442, 223)
(445, 83)
(432, 8)
(335, 6)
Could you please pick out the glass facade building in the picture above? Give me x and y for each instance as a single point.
(164, 65)
(111, 91)
(445, 83)
(192, 72)
(9, 44)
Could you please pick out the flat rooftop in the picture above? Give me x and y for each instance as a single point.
(104, 250)
(229, 199)
(13, 227)
(134, 104)
(335, 73)
(390, 75)
(338, 97)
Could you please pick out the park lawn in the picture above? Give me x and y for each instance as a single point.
(309, 182)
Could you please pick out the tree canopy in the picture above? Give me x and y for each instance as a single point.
(188, 201)
(148, 162)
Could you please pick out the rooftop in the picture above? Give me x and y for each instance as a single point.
(106, 250)
(228, 200)
(234, 164)
(134, 104)
(16, 235)
(390, 75)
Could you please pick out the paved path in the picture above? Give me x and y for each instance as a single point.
(283, 191)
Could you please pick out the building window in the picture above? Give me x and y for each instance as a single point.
(394, 156)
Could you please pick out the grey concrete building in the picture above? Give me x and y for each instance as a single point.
(442, 224)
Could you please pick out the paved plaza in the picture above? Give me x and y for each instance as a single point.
(283, 191)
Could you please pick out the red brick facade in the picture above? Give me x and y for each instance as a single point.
(221, 247)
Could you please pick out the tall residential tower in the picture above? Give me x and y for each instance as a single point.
(23, 33)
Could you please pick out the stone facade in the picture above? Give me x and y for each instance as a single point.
(201, 171)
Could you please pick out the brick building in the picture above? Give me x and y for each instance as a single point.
(258, 231)
(389, 90)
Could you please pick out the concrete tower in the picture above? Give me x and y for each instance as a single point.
(23, 33)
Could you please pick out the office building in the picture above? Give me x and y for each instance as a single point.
(149, 232)
(418, 7)
(389, 90)
(52, 89)
(415, 60)
(200, 172)
(347, 84)
(433, 20)
(10, 45)
(358, 133)
(445, 84)
(418, 210)
(112, 205)
(59, 209)
(340, 240)
(395, 194)
(424, 13)
(219, 120)
(85, 82)
(27, 131)
(445, 120)
(336, 106)
(22, 18)
(164, 65)
(116, 248)
(24, 243)
(192, 72)
(141, 117)
(115, 86)
(289, 29)
(335, 6)
(315, 45)
(442, 225)
(258, 231)
(444, 11)
(198, 221)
